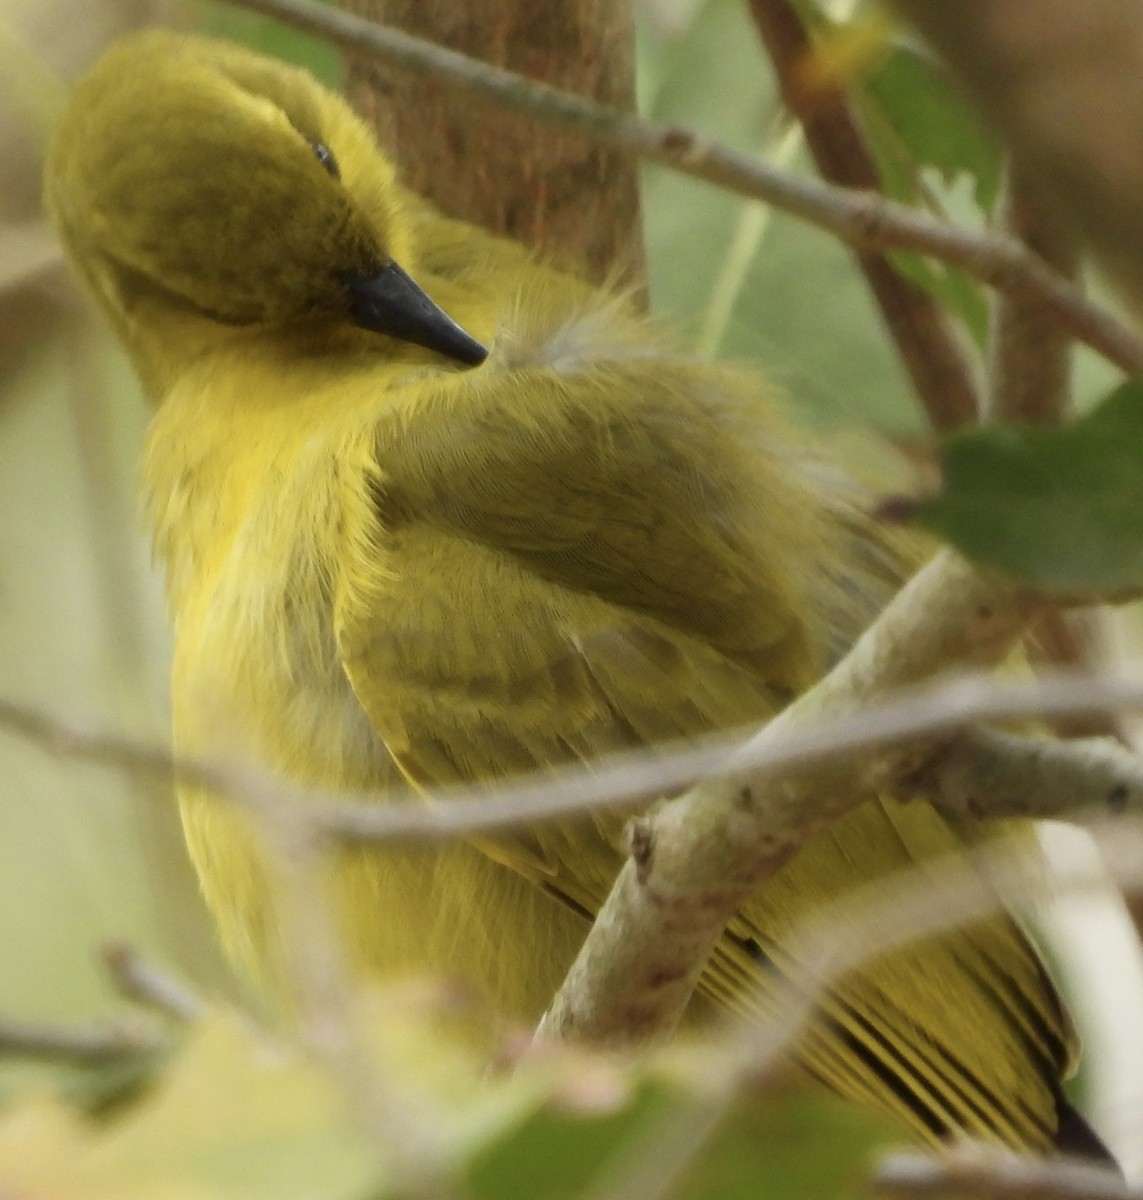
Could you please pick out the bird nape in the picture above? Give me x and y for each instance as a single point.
(397, 562)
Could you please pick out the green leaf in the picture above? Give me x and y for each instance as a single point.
(918, 119)
(790, 1145)
(1061, 508)
(557, 1153)
(802, 308)
(954, 289)
(769, 1146)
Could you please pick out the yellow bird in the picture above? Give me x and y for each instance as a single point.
(396, 561)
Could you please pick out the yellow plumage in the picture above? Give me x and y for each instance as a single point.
(390, 566)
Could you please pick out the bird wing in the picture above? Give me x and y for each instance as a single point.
(502, 613)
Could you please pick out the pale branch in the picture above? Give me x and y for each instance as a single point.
(984, 1173)
(63, 739)
(86, 1046)
(933, 709)
(859, 218)
(142, 981)
(618, 780)
(698, 858)
(982, 772)
(941, 369)
(615, 781)
(847, 934)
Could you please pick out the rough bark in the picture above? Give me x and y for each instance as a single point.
(552, 189)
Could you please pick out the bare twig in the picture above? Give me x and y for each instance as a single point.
(976, 1171)
(63, 739)
(1028, 776)
(941, 370)
(89, 1046)
(618, 780)
(859, 218)
(142, 981)
(1071, 641)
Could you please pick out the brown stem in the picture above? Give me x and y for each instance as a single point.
(1030, 356)
(941, 371)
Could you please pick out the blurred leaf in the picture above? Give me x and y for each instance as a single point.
(1061, 508)
(856, 40)
(97, 1088)
(916, 118)
(233, 1118)
(954, 289)
(237, 1116)
(556, 1154)
(111, 1087)
(790, 1145)
(769, 1147)
(271, 37)
(916, 121)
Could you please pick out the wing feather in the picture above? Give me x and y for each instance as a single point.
(486, 637)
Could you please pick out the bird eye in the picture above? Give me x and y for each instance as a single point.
(325, 156)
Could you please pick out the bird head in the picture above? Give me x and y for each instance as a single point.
(190, 176)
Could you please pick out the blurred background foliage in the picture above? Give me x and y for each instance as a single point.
(87, 855)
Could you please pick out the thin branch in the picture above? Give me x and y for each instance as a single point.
(90, 1046)
(859, 218)
(982, 772)
(941, 370)
(697, 859)
(63, 739)
(142, 981)
(975, 1171)
(619, 780)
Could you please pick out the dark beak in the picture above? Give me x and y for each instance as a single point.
(390, 302)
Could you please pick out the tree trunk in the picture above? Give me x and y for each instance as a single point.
(574, 202)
